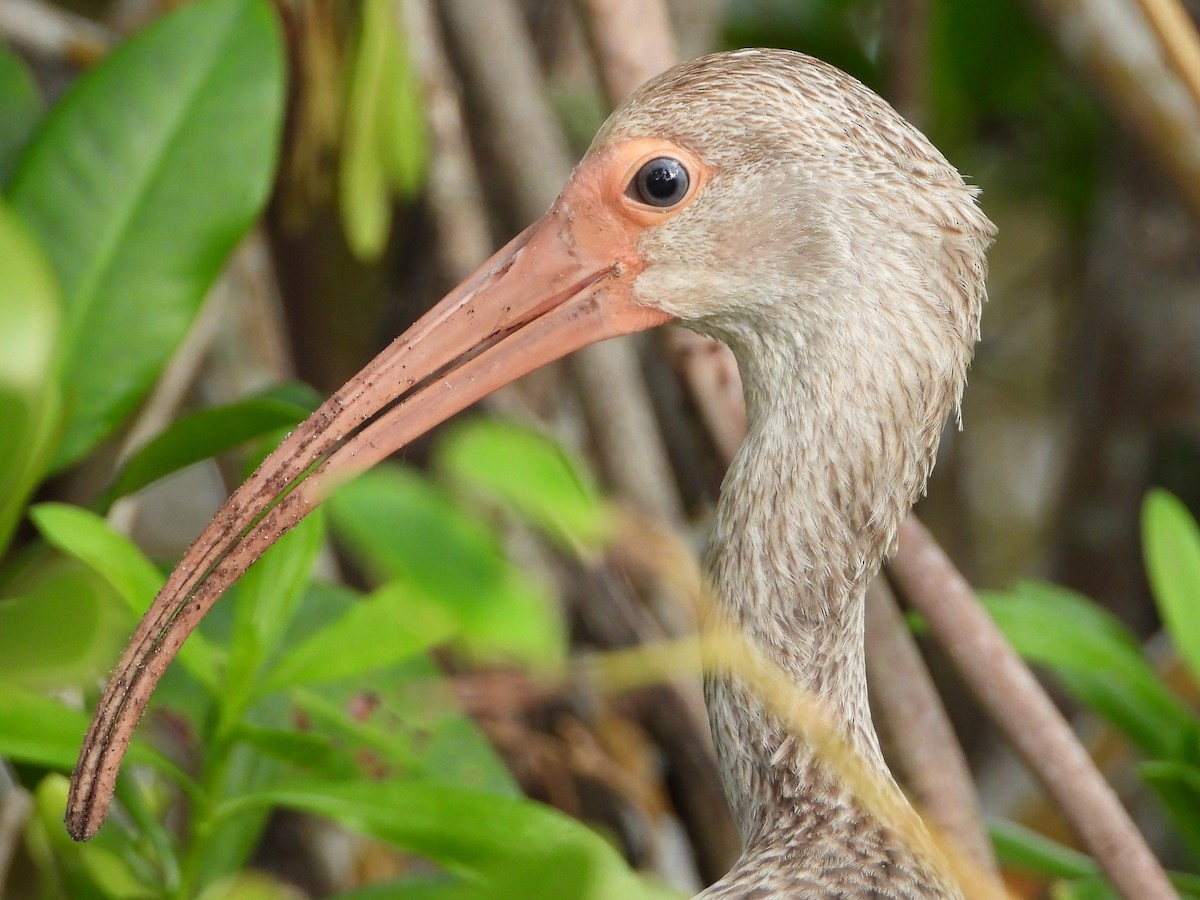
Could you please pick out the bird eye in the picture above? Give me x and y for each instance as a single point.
(662, 182)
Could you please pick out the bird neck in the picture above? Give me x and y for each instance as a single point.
(809, 509)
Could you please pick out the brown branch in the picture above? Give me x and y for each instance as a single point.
(456, 201)
(631, 41)
(911, 715)
(1031, 724)
(1177, 36)
(44, 30)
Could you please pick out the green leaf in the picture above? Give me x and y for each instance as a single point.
(1178, 787)
(411, 723)
(532, 475)
(20, 109)
(139, 183)
(1084, 889)
(311, 752)
(1097, 660)
(29, 399)
(509, 842)
(1018, 847)
(211, 432)
(1172, 549)
(36, 651)
(87, 537)
(384, 144)
(250, 885)
(387, 627)
(404, 529)
(40, 730)
(98, 869)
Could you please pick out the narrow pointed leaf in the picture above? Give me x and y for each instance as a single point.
(387, 627)
(211, 432)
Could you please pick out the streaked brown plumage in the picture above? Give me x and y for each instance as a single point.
(842, 258)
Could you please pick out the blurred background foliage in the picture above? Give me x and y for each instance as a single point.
(212, 213)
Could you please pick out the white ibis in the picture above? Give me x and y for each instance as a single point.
(769, 200)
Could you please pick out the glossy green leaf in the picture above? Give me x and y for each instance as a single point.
(510, 842)
(20, 109)
(1172, 549)
(1097, 660)
(211, 432)
(532, 475)
(404, 529)
(29, 399)
(139, 183)
(87, 537)
(384, 145)
(387, 627)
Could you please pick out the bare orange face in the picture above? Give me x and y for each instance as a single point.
(566, 281)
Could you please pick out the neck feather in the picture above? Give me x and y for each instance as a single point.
(809, 509)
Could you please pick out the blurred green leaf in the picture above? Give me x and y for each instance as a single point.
(20, 109)
(403, 528)
(1172, 550)
(405, 719)
(87, 537)
(29, 399)
(384, 145)
(138, 183)
(211, 432)
(387, 627)
(36, 650)
(82, 871)
(1178, 787)
(1018, 847)
(510, 842)
(251, 885)
(40, 730)
(311, 752)
(1097, 660)
(532, 475)
(1084, 889)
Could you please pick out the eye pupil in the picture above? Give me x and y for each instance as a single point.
(662, 182)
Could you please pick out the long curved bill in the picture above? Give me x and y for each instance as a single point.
(563, 283)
